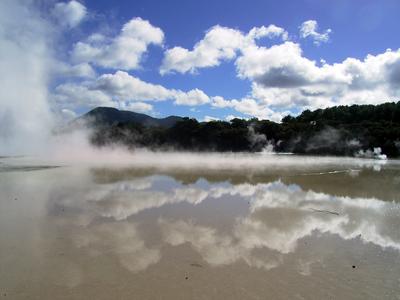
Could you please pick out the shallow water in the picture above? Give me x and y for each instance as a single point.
(251, 227)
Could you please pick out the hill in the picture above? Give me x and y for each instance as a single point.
(357, 130)
(107, 116)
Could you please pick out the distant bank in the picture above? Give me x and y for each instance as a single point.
(357, 130)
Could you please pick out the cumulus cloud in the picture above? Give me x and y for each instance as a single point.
(193, 97)
(124, 91)
(136, 106)
(272, 31)
(248, 107)
(70, 95)
(69, 14)
(124, 86)
(219, 44)
(65, 70)
(125, 51)
(280, 70)
(309, 30)
(283, 78)
(280, 65)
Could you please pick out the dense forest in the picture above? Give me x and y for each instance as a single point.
(342, 130)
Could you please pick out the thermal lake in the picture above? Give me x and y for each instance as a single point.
(184, 226)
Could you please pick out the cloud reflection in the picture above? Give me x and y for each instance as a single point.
(121, 239)
(278, 216)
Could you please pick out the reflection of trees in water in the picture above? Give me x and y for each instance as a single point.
(358, 180)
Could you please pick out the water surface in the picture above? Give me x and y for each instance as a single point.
(276, 229)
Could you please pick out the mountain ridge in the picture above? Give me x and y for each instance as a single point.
(109, 116)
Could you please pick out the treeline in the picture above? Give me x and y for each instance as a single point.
(341, 130)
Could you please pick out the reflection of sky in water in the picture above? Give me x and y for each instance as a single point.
(139, 220)
(277, 216)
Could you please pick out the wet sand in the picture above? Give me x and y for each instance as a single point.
(329, 230)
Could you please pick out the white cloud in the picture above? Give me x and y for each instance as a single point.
(247, 106)
(69, 14)
(272, 31)
(136, 106)
(124, 51)
(73, 95)
(124, 91)
(210, 118)
(193, 97)
(251, 107)
(70, 96)
(123, 86)
(83, 70)
(231, 117)
(219, 44)
(220, 102)
(282, 78)
(309, 29)
(284, 66)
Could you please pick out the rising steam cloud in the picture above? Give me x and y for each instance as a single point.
(25, 59)
(28, 63)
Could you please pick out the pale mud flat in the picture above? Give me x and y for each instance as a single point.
(327, 228)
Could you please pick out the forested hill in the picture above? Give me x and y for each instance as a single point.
(345, 130)
(109, 116)
(342, 130)
(387, 112)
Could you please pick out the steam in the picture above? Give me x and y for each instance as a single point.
(28, 117)
(259, 142)
(25, 115)
(338, 141)
(376, 153)
(353, 143)
(326, 137)
(397, 144)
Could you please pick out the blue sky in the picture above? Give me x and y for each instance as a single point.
(302, 55)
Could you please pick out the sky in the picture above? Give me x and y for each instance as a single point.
(207, 59)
